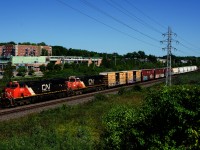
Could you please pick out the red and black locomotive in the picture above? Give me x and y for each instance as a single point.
(20, 93)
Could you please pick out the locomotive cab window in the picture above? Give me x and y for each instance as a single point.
(14, 85)
(8, 85)
(72, 80)
(21, 85)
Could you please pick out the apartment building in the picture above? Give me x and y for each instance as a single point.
(24, 50)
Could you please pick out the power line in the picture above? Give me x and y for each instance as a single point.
(189, 48)
(189, 43)
(117, 20)
(113, 28)
(164, 27)
(131, 15)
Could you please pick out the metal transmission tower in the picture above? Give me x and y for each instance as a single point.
(169, 47)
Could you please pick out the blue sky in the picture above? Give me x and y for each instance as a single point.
(109, 26)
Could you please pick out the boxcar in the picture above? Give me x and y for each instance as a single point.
(109, 78)
(180, 70)
(133, 76)
(120, 77)
(175, 71)
(147, 74)
(189, 68)
(137, 75)
(193, 68)
(185, 69)
(129, 77)
(159, 73)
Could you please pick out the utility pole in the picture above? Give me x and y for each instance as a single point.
(169, 47)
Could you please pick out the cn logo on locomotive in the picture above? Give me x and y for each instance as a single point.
(45, 87)
(91, 81)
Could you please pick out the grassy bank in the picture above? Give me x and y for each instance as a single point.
(76, 127)
(189, 78)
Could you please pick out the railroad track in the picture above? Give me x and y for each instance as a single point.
(11, 113)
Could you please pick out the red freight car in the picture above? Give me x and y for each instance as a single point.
(159, 73)
(147, 74)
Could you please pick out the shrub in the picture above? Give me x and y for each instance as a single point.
(169, 119)
(100, 97)
(122, 91)
(137, 88)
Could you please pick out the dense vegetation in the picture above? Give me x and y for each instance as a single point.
(168, 119)
(23, 43)
(137, 118)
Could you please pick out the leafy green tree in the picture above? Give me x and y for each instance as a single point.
(42, 68)
(8, 73)
(106, 63)
(67, 65)
(152, 58)
(21, 71)
(50, 66)
(59, 51)
(141, 54)
(11, 42)
(25, 43)
(44, 52)
(58, 67)
(41, 44)
(31, 72)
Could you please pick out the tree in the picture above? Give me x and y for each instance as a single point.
(152, 58)
(8, 73)
(41, 44)
(44, 52)
(31, 72)
(11, 42)
(135, 55)
(59, 51)
(21, 71)
(141, 54)
(25, 43)
(58, 67)
(50, 66)
(42, 68)
(67, 66)
(106, 63)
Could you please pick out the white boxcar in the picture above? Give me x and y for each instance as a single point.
(185, 69)
(175, 71)
(180, 70)
(189, 68)
(196, 68)
(193, 68)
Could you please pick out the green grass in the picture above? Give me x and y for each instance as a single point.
(188, 78)
(67, 127)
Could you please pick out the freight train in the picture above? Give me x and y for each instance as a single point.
(19, 93)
